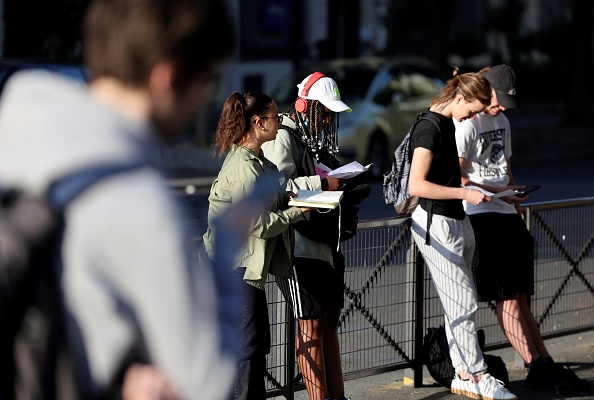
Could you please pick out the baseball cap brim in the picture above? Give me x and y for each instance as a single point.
(503, 80)
(325, 90)
(506, 100)
(336, 105)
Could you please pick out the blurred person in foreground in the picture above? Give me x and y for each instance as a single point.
(504, 268)
(307, 139)
(443, 233)
(132, 289)
(247, 121)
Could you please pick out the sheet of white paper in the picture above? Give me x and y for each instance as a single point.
(321, 169)
(317, 198)
(349, 170)
(508, 192)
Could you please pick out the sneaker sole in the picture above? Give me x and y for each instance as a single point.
(473, 395)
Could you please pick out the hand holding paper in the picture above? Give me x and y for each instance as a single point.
(508, 192)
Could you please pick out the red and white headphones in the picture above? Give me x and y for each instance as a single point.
(301, 102)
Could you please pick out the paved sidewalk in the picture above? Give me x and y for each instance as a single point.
(577, 351)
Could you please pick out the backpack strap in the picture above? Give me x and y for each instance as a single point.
(292, 131)
(65, 189)
(305, 168)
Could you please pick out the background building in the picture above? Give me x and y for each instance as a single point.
(548, 42)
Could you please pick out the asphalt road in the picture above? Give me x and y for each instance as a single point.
(560, 180)
(576, 351)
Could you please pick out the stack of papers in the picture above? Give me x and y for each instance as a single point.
(317, 199)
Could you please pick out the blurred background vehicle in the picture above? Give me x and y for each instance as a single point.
(386, 95)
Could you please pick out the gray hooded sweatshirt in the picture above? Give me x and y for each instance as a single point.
(129, 278)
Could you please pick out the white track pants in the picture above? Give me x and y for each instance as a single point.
(449, 258)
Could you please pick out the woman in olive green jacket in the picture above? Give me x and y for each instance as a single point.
(247, 121)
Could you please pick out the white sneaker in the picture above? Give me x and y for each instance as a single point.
(488, 388)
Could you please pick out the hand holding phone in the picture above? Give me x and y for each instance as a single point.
(526, 190)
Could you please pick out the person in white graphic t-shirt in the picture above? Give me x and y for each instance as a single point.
(484, 150)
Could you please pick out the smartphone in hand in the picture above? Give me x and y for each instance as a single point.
(526, 190)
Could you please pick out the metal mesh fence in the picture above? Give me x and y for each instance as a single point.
(380, 324)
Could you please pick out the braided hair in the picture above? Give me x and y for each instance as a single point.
(315, 134)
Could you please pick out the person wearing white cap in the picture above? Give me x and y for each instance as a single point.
(484, 151)
(305, 143)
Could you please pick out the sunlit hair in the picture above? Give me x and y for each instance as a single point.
(471, 85)
(124, 39)
(315, 134)
(236, 117)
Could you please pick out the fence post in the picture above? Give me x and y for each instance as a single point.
(290, 353)
(419, 315)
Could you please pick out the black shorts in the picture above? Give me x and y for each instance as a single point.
(504, 256)
(313, 286)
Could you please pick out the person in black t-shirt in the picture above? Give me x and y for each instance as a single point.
(442, 230)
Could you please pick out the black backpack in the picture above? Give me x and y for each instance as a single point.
(34, 357)
(439, 364)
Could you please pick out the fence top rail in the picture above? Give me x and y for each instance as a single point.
(392, 221)
(548, 205)
(544, 205)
